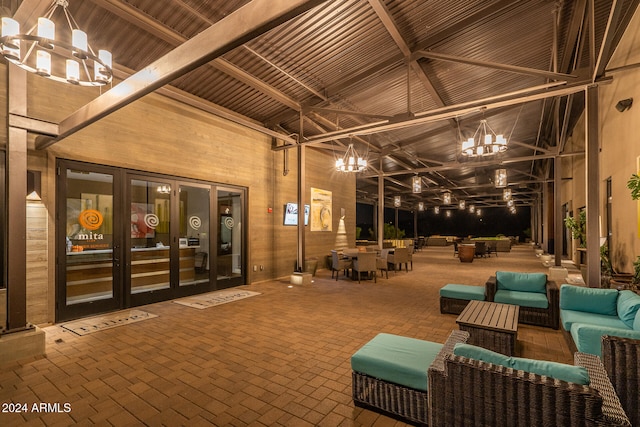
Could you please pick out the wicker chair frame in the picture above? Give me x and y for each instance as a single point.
(548, 317)
(620, 358)
(467, 392)
(396, 400)
(452, 305)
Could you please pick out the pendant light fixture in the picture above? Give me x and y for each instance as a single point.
(39, 51)
(416, 184)
(500, 180)
(484, 142)
(446, 197)
(397, 201)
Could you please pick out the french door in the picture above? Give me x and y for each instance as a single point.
(130, 239)
(89, 248)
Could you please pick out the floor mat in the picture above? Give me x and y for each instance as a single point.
(108, 321)
(211, 299)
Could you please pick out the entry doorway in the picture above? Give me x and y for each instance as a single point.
(132, 238)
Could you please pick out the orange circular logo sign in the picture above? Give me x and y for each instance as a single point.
(90, 219)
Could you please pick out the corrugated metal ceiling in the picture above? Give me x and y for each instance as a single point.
(351, 55)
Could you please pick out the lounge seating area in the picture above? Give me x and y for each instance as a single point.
(588, 314)
(283, 357)
(460, 380)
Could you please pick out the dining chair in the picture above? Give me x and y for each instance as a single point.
(366, 262)
(339, 264)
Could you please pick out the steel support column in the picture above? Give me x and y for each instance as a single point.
(16, 178)
(557, 211)
(380, 206)
(593, 187)
(302, 183)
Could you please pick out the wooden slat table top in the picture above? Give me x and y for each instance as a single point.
(490, 315)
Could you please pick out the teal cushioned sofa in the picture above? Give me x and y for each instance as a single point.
(587, 314)
(537, 296)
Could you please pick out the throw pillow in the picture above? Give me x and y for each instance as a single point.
(628, 305)
(523, 282)
(590, 300)
(560, 371)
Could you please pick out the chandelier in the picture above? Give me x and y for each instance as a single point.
(484, 142)
(33, 50)
(351, 161)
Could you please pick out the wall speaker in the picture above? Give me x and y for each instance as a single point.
(624, 104)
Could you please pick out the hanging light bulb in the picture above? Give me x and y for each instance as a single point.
(461, 204)
(397, 201)
(421, 206)
(472, 208)
(447, 214)
(506, 194)
(436, 209)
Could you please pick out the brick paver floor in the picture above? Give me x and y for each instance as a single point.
(277, 359)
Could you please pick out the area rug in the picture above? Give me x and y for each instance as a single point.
(100, 323)
(211, 299)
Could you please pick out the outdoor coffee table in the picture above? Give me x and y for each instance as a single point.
(491, 325)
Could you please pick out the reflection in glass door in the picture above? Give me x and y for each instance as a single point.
(89, 270)
(230, 250)
(194, 234)
(150, 236)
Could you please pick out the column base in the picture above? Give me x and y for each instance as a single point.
(21, 345)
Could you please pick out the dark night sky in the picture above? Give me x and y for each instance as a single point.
(493, 221)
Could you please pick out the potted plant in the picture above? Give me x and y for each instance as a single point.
(578, 227)
(634, 185)
(635, 280)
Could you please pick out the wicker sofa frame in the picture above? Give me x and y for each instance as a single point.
(452, 305)
(396, 400)
(620, 358)
(548, 317)
(467, 392)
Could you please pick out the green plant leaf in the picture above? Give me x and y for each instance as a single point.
(634, 185)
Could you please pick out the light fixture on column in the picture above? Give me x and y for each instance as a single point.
(506, 194)
(421, 206)
(484, 142)
(416, 184)
(351, 161)
(461, 204)
(500, 180)
(472, 208)
(34, 192)
(479, 212)
(436, 209)
(35, 50)
(446, 197)
(397, 201)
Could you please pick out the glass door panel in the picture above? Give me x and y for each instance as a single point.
(194, 207)
(150, 242)
(89, 237)
(230, 248)
(89, 248)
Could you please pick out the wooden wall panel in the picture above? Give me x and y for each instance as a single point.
(156, 134)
